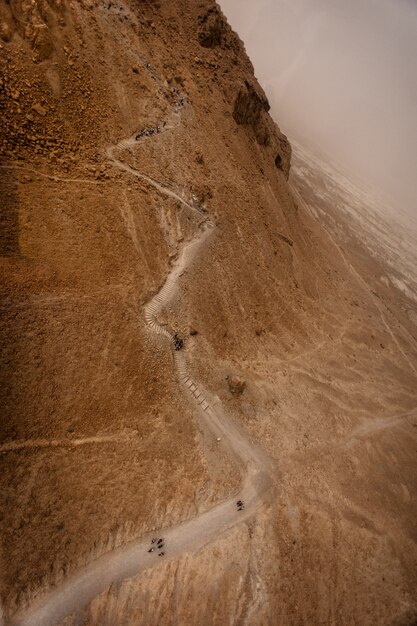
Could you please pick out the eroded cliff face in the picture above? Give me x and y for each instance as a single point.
(85, 246)
(99, 444)
(42, 28)
(251, 108)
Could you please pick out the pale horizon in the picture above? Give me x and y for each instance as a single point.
(342, 81)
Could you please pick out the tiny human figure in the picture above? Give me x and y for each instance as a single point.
(178, 342)
(154, 540)
(161, 554)
(151, 549)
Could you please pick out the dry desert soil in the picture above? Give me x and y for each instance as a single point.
(187, 324)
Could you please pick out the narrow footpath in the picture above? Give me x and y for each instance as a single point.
(130, 559)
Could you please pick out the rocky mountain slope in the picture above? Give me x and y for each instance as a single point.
(128, 127)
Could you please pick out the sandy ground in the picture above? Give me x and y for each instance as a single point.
(299, 293)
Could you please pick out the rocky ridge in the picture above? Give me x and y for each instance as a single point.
(99, 446)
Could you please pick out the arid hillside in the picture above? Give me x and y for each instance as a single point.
(179, 333)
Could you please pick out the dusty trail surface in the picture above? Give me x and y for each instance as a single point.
(132, 558)
(166, 303)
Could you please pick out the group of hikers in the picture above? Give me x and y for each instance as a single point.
(157, 544)
(154, 130)
(178, 342)
(148, 132)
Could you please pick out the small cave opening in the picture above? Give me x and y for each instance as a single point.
(278, 161)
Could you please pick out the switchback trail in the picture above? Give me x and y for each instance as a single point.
(83, 586)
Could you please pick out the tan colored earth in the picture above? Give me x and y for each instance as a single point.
(137, 148)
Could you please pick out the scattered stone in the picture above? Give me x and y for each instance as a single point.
(39, 109)
(236, 385)
(212, 28)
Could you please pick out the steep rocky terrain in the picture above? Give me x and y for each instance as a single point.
(126, 126)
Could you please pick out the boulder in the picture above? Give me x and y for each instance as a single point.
(211, 28)
(236, 385)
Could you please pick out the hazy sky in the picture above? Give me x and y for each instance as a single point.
(341, 77)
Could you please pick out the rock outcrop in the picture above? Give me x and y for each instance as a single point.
(251, 108)
(236, 385)
(126, 127)
(212, 28)
(34, 22)
(84, 245)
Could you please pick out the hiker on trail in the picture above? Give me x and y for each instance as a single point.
(178, 342)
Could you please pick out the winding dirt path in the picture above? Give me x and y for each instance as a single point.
(132, 558)
(80, 588)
